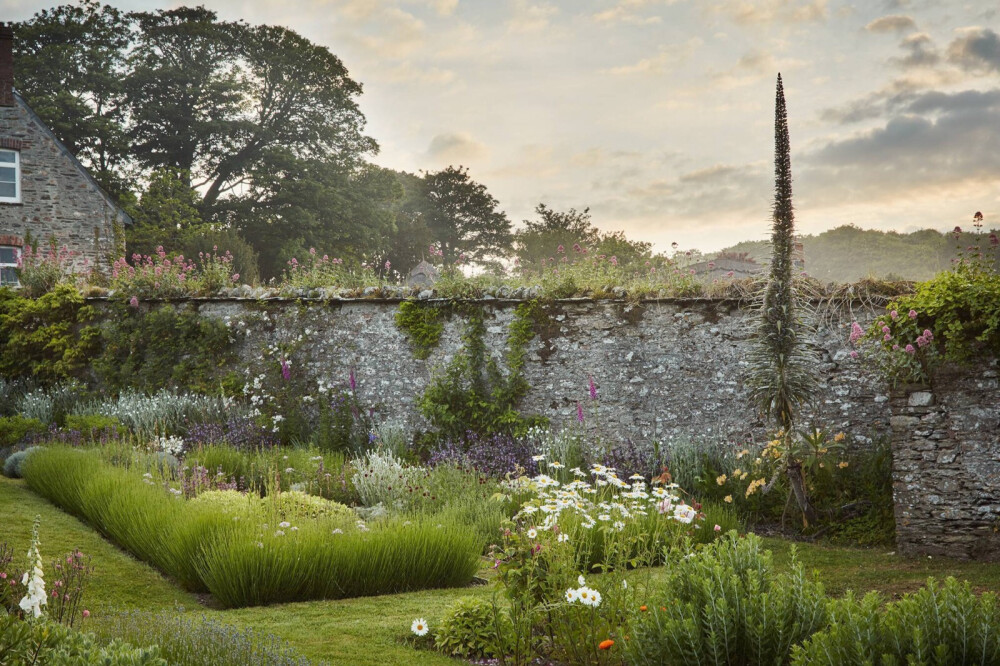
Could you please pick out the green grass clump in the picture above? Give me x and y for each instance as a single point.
(276, 550)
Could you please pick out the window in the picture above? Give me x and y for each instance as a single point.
(8, 265)
(10, 176)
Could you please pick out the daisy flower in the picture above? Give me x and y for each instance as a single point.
(419, 627)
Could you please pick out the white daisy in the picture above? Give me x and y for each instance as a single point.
(419, 627)
(532, 533)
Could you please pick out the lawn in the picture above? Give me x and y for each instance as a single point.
(374, 630)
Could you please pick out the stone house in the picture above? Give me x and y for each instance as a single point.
(45, 193)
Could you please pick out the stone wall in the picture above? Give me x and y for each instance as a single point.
(665, 370)
(58, 197)
(946, 464)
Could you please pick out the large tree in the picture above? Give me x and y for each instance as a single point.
(70, 65)
(540, 239)
(464, 218)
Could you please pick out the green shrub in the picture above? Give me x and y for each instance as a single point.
(13, 429)
(165, 347)
(49, 339)
(724, 605)
(91, 425)
(939, 625)
(256, 560)
(13, 466)
(470, 629)
(45, 643)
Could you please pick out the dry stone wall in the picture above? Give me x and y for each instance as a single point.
(946, 464)
(665, 371)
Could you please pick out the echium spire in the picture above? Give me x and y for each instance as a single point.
(784, 216)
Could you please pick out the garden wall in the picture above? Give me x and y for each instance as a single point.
(665, 370)
(946, 464)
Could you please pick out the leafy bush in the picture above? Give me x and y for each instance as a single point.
(26, 643)
(13, 466)
(50, 338)
(494, 455)
(91, 426)
(188, 640)
(469, 630)
(724, 604)
(163, 413)
(165, 347)
(381, 478)
(939, 625)
(14, 429)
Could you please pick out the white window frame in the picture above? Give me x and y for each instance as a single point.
(17, 176)
(5, 264)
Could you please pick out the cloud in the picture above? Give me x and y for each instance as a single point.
(667, 58)
(891, 23)
(529, 17)
(933, 139)
(977, 50)
(454, 147)
(921, 51)
(749, 12)
(753, 66)
(631, 12)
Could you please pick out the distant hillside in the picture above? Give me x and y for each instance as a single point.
(847, 253)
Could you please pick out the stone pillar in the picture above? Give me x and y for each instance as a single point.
(946, 465)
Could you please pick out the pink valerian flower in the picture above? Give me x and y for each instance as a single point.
(928, 334)
(856, 331)
(560, 249)
(579, 412)
(885, 329)
(614, 260)
(910, 350)
(133, 302)
(388, 264)
(86, 614)
(895, 347)
(854, 354)
(718, 528)
(912, 314)
(893, 314)
(592, 387)
(886, 337)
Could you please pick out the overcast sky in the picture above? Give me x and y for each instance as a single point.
(658, 114)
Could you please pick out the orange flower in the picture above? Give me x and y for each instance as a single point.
(643, 608)
(606, 645)
(663, 608)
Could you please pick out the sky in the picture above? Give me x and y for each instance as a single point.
(658, 114)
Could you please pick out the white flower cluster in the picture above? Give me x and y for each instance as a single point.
(607, 500)
(583, 594)
(172, 445)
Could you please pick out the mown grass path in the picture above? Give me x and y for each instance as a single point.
(375, 630)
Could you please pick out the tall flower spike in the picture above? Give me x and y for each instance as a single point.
(35, 598)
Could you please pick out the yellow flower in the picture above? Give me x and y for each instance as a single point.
(743, 476)
(754, 485)
(721, 479)
(839, 437)
(728, 499)
(737, 472)
(843, 464)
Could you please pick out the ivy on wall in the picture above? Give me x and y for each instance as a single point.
(423, 324)
(474, 394)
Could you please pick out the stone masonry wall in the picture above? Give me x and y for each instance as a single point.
(665, 370)
(57, 197)
(946, 465)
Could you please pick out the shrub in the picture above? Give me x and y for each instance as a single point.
(469, 630)
(40, 272)
(245, 258)
(246, 562)
(725, 605)
(13, 467)
(15, 429)
(48, 339)
(495, 455)
(25, 643)
(381, 478)
(92, 426)
(187, 640)
(163, 413)
(939, 625)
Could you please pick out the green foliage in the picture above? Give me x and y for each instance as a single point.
(91, 425)
(256, 560)
(167, 214)
(166, 347)
(474, 394)
(15, 428)
(245, 262)
(48, 338)
(470, 629)
(555, 234)
(24, 643)
(960, 307)
(422, 324)
(189, 640)
(725, 605)
(939, 625)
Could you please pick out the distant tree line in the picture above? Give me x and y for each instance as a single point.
(848, 254)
